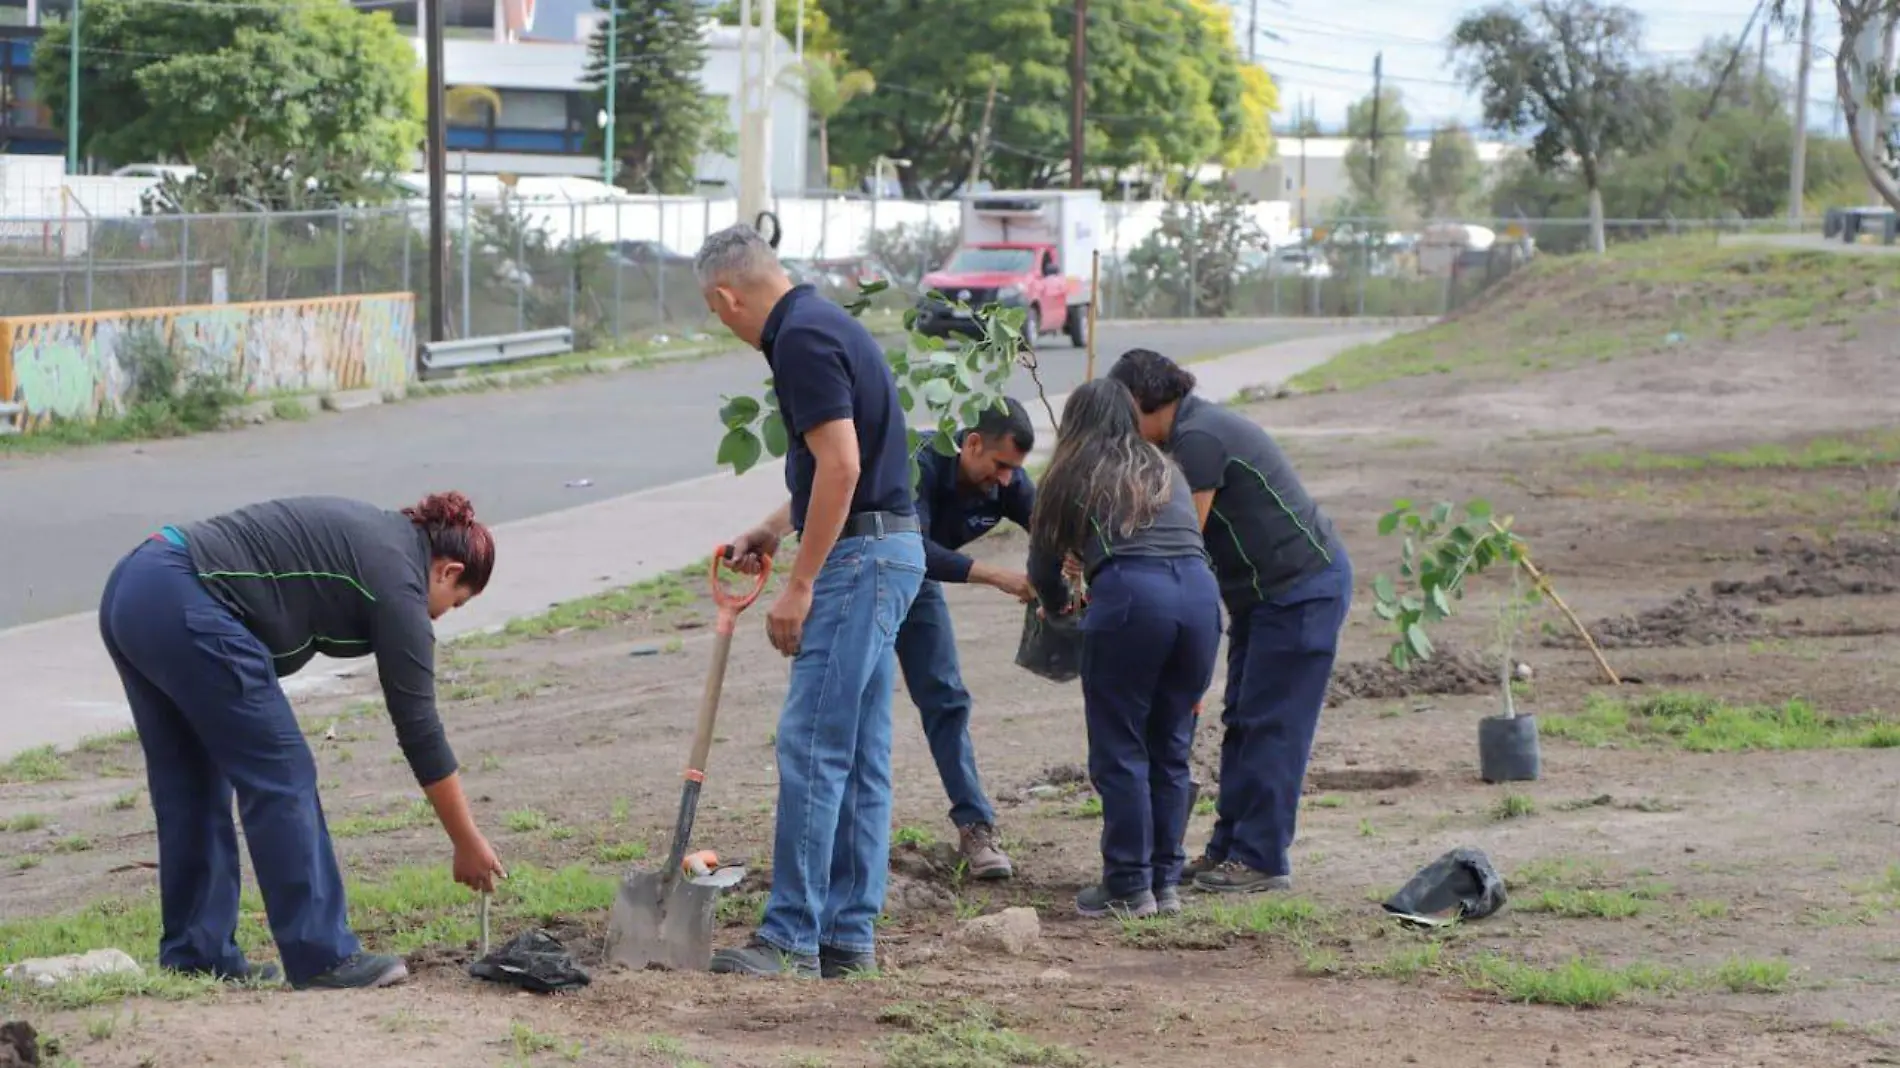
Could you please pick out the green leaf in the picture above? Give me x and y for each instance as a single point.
(1401, 658)
(1411, 603)
(1478, 508)
(945, 440)
(872, 289)
(738, 412)
(739, 449)
(904, 399)
(1383, 589)
(1385, 610)
(1438, 601)
(1441, 513)
(1389, 522)
(773, 430)
(938, 394)
(1416, 641)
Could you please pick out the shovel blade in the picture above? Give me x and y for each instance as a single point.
(663, 923)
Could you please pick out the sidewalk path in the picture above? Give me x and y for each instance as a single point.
(56, 685)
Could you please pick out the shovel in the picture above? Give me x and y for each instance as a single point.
(663, 918)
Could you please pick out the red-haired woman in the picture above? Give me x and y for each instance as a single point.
(202, 620)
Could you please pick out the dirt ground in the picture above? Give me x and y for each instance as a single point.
(1726, 907)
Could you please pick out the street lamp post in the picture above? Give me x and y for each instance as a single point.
(72, 95)
(613, 81)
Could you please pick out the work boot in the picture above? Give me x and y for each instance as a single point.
(1193, 868)
(762, 958)
(976, 844)
(1168, 900)
(835, 963)
(1096, 902)
(1233, 877)
(365, 971)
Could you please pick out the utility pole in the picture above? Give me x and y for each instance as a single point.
(1306, 120)
(1253, 31)
(982, 136)
(1798, 165)
(1378, 78)
(1761, 60)
(613, 83)
(438, 171)
(1078, 84)
(72, 95)
(1884, 120)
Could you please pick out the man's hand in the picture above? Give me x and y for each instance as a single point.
(1072, 567)
(476, 866)
(785, 623)
(1016, 584)
(748, 550)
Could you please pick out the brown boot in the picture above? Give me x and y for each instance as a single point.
(976, 844)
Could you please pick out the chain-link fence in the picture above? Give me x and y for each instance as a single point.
(621, 269)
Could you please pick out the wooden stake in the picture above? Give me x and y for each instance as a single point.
(1095, 298)
(1544, 587)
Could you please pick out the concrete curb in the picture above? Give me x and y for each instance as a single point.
(1284, 320)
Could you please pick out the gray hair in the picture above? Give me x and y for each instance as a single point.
(736, 254)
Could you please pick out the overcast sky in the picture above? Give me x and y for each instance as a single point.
(1323, 51)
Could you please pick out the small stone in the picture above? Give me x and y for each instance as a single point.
(47, 971)
(1045, 792)
(1053, 976)
(1014, 931)
(1523, 671)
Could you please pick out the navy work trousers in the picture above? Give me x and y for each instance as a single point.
(1150, 637)
(213, 720)
(1280, 657)
(927, 651)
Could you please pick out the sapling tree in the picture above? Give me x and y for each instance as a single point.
(1441, 552)
(953, 384)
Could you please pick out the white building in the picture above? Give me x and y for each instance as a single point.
(537, 70)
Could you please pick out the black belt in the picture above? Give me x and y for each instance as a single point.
(878, 524)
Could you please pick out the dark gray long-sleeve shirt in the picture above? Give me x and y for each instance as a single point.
(1174, 531)
(329, 575)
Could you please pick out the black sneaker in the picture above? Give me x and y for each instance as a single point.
(365, 971)
(1168, 900)
(1096, 902)
(759, 957)
(1233, 877)
(845, 964)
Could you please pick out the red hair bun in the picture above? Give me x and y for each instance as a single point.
(442, 510)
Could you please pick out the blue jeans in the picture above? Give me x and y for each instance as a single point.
(927, 651)
(212, 718)
(1150, 637)
(832, 844)
(1280, 657)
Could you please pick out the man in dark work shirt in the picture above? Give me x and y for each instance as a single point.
(860, 562)
(960, 497)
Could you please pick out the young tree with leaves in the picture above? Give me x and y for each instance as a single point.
(1449, 180)
(1864, 81)
(314, 88)
(1572, 71)
(664, 119)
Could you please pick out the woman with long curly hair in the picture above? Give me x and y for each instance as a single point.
(1150, 631)
(201, 620)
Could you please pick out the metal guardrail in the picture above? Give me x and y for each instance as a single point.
(496, 349)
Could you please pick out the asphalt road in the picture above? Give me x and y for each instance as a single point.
(65, 518)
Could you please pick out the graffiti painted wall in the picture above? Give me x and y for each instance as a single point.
(70, 366)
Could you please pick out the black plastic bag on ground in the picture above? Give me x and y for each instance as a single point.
(1461, 885)
(1051, 648)
(535, 961)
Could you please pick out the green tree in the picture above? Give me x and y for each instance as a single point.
(1572, 72)
(1447, 183)
(829, 86)
(1865, 84)
(1376, 160)
(317, 86)
(663, 119)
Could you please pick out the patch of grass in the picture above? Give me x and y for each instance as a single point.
(43, 764)
(26, 821)
(1560, 872)
(674, 590)
(1709, 910)
(915, 837)
(1577, 983)
(289, 409)
(742, 909)
(1513, 806)
(621, 852)
(105, 743)
(1221, 923)
(1585, 904)
(73, 843)
(523, 820)
(1741, 975)
(1326, 801)
(974, 1038)
(125, 801)
(1857, 450)
(1703, 724)
(1409, 962)
(27, 862)
(1643, 297)
(1090, 808)
(1206, 806)
(527, 1042)
(414, 814)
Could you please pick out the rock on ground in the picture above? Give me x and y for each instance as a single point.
(1014, 931)
(46, 971)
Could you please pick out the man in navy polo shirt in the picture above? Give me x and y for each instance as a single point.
(859, 565)
(959, 498)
